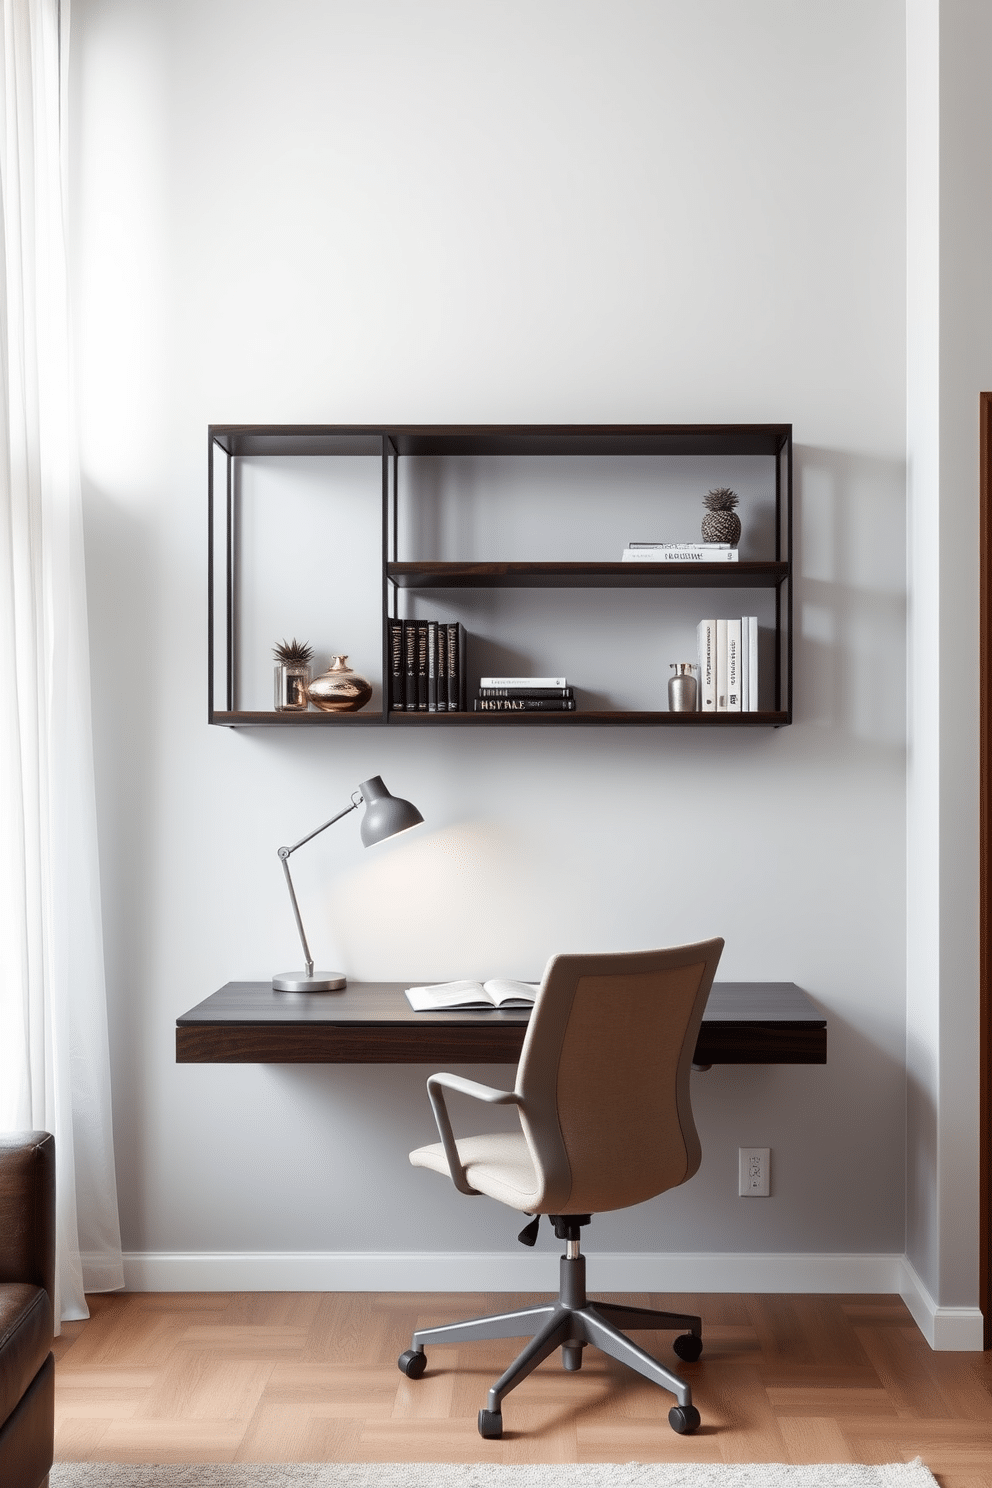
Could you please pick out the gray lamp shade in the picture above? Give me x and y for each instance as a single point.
(385, 815)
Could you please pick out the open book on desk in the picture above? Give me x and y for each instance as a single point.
(499, 992)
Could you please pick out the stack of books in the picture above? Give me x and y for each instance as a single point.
(427, 668)
(701, 552)
(524, 695)
(728, 665)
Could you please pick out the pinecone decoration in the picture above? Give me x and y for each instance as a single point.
(293, 653)
(721, 523)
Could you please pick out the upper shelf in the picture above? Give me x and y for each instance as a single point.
(433, 575)
(501, 439)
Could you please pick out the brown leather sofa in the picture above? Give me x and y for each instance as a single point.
(27, 1291)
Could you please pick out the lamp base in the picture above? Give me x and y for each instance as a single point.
(298, 981)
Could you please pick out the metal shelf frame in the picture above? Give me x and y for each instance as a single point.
(227, 443)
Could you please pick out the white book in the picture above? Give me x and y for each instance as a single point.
(745, 664)
(754, 705)
(733, 666)
(679, 555)
(706, 644)
(496, 993)
(715, 547)
(721, 666)
(523, 681)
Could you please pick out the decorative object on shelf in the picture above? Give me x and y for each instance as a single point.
(385, 815)
(682, 688)
(721, 523)
(292, 675)
(339, 689)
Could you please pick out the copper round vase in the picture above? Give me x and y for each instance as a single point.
(339, 689)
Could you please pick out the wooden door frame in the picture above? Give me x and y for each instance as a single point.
(985, 866)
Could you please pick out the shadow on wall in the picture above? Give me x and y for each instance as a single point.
(122, 575)
(922, 1197)
(849, 667)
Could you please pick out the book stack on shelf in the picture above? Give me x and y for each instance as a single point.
(524, 695)
(701, 552)
(427, 669)
(728, 665)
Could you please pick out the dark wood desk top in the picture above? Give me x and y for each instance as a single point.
(372, 1023)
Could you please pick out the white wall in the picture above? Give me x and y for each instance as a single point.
(500, 212)
(950, 362)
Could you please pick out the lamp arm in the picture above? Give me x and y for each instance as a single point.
(308, 959)
(284, 856)
(284, 852)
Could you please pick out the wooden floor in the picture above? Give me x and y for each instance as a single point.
(273, 1377)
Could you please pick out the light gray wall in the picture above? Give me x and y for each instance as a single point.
(505, 211)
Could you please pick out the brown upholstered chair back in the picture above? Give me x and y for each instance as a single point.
(604, 1075)
(27, 1209)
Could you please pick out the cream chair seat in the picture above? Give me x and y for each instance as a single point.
(602, 1098)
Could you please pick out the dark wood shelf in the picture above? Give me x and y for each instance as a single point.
(372, 1023)
(372, 718)
(741, 575)
(588, 718)
(591, 718)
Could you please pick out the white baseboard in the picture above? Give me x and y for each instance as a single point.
(944, 1328)
(537, 1271)
(504, 1271)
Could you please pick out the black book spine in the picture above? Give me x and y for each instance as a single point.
(432, 628)
(410, 664)
(454, 661)
(462, 670)
(442, 668)
(524, 705)
(525, 692)
(421, 666)
(397, 686)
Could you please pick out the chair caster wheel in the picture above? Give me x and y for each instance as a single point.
(412, 1363)
(683, 1419)
(491, 1424)
(688, 1347)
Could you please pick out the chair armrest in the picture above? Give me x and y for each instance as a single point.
(487, 1093)
(473, 1088)
(27, 1209)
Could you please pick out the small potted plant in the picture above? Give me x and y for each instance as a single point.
(292, 676)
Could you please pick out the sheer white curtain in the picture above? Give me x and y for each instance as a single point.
(54, 1061)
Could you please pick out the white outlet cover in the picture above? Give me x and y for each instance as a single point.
(755, 1172)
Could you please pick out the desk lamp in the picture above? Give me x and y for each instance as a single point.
(385, 815)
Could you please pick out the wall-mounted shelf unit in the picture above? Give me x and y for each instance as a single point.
(431, 479)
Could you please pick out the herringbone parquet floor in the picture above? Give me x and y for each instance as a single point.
(275, 1377)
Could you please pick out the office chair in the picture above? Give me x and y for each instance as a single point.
(602, 1096)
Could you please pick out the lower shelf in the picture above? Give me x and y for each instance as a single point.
(586, 719)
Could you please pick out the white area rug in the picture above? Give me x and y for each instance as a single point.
(479, 1475)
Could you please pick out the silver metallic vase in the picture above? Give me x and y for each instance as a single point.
(682, 688)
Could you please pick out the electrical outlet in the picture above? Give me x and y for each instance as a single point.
(755, 1172)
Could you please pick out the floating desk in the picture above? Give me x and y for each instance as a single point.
(372, 1023)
